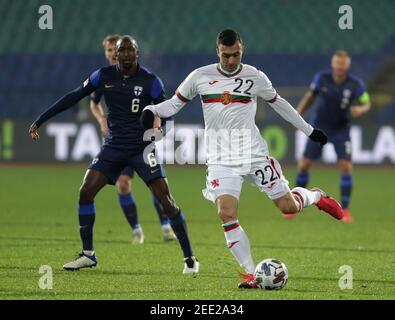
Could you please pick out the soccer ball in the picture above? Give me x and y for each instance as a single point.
(271, 274)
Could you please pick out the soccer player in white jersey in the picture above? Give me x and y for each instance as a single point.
(236, 150)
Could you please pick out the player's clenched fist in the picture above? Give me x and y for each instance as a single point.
(319, 136)
(33, 132)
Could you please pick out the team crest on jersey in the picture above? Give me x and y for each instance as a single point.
(226, 98)
(346, 93)
(138, 90)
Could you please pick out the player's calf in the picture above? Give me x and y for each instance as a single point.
(289, 204)
(160, 189)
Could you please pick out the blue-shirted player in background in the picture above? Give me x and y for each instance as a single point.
(337, 94)
(127, 88)
(123, 184)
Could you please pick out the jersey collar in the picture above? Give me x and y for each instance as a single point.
(227, 74)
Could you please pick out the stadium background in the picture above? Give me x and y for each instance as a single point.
(289, 40)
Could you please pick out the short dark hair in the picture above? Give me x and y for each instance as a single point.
(132, 40)
(228, 37)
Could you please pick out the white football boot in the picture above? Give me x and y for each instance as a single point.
(168, 233)
(138, 236)
(191, 266)
(82, 261)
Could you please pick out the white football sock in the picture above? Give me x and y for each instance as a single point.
(239, 245)
(166, 227)
(305, 197)
(89, 253)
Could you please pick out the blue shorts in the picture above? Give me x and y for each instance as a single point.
(113, 162)
(129, 171)
(340, 139)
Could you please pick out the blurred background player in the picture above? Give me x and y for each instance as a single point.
(123, 184)
(334, 92)
(127, 87)
(228, 92)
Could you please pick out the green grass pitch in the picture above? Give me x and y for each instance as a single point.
(39, 226)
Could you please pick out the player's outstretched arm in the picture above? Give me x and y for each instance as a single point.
(185, 92)
(166, 109)
(285, 110)
(66, 102)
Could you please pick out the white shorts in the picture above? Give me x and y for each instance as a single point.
(265, 174)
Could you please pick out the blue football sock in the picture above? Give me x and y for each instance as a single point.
(159, 210)
(302, 179)
(86, 217)
(345, 189)
(129, 209)
(179, 227)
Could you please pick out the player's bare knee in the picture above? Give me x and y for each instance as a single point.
(304, 165)
(170, 208)
(346, 167)
(123, 184)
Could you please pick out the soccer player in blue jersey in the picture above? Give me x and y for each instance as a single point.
(127, 87)
(123, 184)
(337, 94)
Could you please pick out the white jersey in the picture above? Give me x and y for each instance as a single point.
(229, 105)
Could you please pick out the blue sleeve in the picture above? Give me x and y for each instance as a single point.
(359, 89)
(66, 102)
(316, 83)
(157, 91)
(94, 78)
